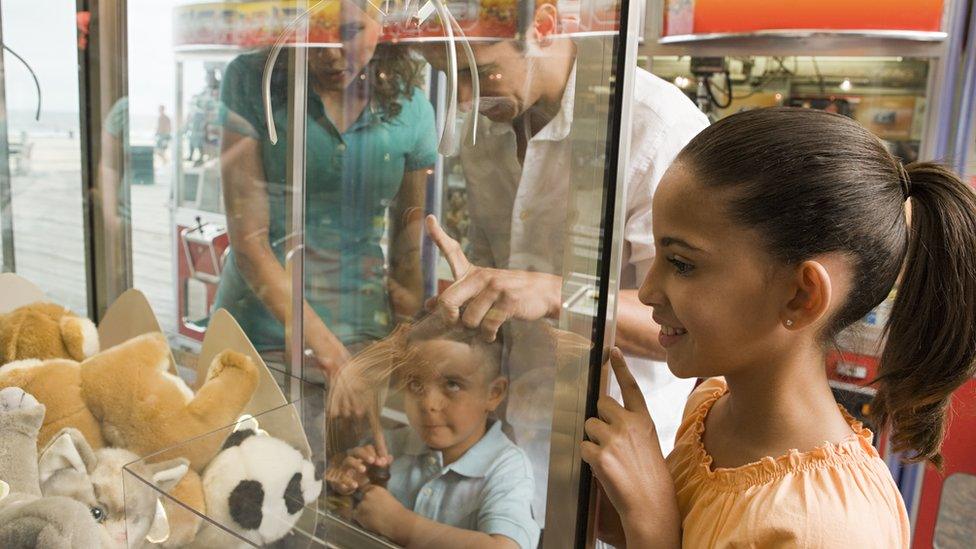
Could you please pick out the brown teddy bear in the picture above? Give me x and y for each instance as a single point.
(143, 408)
(46, 330)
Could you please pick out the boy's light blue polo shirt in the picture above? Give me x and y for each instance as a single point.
(489, 489)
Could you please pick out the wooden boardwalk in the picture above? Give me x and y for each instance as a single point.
(49, 243)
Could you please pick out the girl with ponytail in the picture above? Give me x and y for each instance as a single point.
(775, 230)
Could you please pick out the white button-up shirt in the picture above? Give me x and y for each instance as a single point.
(518, 221)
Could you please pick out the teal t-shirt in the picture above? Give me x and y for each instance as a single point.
(350, 179)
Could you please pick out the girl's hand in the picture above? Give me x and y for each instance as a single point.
(350, 396)
(404, 302)
(626, 458)
(381, 513)
(329, 354)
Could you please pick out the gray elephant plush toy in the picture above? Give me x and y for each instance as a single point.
(27, 520)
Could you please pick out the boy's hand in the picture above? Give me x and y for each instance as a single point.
(351, 473)
(381, 513)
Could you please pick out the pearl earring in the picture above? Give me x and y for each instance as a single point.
(789, 322)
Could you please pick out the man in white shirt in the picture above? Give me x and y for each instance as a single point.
(517, 176)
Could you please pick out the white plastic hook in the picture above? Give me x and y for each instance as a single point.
(269, 68)
(475, 80)
(37, 83)
(448, 143)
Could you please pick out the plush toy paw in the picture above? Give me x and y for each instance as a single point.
(230, 360)
(14, 398)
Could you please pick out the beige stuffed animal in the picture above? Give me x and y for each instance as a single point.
(46, 330)
(125, 397)
(128, 514)
(143, 408)
(56, 384)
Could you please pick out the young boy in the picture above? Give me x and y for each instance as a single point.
(456, 480)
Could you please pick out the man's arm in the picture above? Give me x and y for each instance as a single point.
(489, 297)
(483, 297)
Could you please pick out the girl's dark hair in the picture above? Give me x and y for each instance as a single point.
(811, 183)
(393, 74)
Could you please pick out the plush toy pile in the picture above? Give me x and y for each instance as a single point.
(26, 518)
(123, 398)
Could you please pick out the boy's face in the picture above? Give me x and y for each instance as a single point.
(449, 398)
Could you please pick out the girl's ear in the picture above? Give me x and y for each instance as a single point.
(496, 392)
(811, 297)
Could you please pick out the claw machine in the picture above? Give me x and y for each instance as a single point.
(346, 267)
(307, 135)
(905, 71)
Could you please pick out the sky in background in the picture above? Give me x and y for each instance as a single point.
(44, 33)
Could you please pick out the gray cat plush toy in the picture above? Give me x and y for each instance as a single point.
(27, 520)
(129, 516)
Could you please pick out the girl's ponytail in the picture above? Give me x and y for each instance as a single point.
(931, 336)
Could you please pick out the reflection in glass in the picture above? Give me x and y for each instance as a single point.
(44, 155)
(369, 144)
(455, 408)
(452, 463)
(433, 403)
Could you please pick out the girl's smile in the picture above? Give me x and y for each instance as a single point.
(670, 334)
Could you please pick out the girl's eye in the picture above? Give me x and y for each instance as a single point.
(453, 386)
(98, 514)
(682, 267)
(415, 387)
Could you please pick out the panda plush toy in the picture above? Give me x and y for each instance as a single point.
(258, 485)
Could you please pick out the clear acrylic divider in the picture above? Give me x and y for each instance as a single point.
(231, 502)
